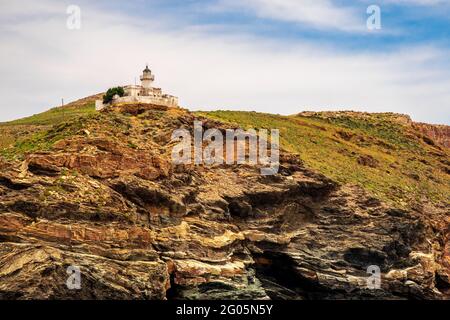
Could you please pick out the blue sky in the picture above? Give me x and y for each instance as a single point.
(278, 56)
(404, 22)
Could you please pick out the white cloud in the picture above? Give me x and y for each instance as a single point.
(41, 62)
(320, 14)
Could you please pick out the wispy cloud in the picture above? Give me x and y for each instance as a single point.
(321, 14)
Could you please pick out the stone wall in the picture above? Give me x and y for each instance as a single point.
(169, 101)
(165, 100)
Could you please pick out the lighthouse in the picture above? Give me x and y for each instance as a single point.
(143, 94)
(147, 79)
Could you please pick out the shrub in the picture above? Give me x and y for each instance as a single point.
(107, 98)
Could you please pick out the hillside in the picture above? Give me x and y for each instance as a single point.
(100, 192)
(381, 152)
(13, 131)
(397, 160)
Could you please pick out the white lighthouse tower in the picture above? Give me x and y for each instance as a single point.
(147, 79)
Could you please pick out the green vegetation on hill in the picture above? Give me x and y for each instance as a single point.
(55, 115)
(378, 152)
(43, 140)
(29, 127)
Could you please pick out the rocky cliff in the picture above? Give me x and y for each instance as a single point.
(101, 193)
(435, 133)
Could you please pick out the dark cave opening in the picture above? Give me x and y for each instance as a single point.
(171, 293)
(279, 277)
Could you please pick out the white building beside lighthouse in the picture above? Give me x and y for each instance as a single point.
(145, 93)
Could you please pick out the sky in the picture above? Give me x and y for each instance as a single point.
(275, 56)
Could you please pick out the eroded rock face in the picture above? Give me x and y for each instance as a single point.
(436, 134)
(138, 227)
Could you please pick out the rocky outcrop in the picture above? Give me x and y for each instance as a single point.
(101, 158)
(434, 134)
(431, 134)
(111, 203)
